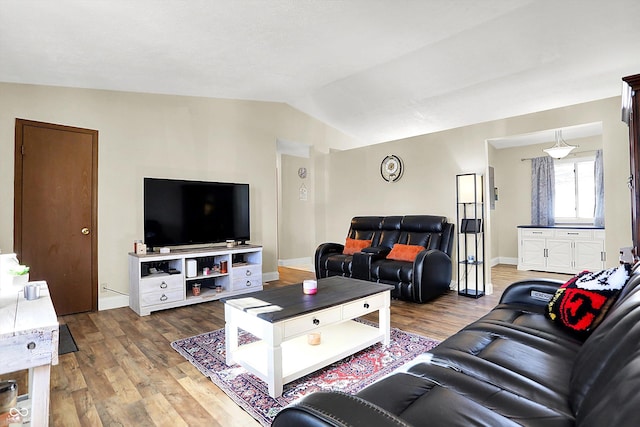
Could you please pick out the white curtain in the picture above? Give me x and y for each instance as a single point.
(598, 217)
(542, 191)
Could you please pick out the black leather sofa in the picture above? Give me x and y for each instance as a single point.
(428, 276)
(512, 367)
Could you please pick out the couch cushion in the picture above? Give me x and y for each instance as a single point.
(352, 246)
(382, 231)
(339, 263)
(580, 304)
(364, 227)
(423, 223)
(432, 395)
(401, 252)
(392, 271)
(530, 319)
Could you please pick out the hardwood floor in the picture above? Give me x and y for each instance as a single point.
(126, 373)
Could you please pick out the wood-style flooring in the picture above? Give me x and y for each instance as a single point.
(126, 373)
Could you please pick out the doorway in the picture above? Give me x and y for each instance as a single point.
(55, 211)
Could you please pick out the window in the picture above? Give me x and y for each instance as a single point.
(575, 190)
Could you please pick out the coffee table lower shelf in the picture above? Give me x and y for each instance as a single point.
(300, 358)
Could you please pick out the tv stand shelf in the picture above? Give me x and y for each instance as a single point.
(160, 290)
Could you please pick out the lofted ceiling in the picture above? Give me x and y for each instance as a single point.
(377, 70)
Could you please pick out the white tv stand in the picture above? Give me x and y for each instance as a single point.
(150, 291)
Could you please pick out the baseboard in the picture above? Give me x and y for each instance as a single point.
(504, 260)
(270, 277)
(113, 301)
(295, 262)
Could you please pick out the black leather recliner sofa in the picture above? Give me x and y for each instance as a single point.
(420, 280)
(512, 367)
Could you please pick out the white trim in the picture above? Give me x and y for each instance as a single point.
(270, 277)
(489, 289)
(295, 262)
(504, 260)
(113, 301)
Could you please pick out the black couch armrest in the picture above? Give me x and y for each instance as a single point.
(431, 275)
(361, 267)
(536, 292)
(323, 250)
(378, 252)
(335, 409)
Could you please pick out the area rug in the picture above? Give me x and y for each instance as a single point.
(207, 353)
(66, 343)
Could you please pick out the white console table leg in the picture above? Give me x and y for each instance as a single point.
(39, 383)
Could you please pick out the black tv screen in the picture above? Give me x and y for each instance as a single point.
(179, 212)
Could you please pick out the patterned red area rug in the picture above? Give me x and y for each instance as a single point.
(207, 353)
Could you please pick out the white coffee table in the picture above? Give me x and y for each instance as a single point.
(283, 354)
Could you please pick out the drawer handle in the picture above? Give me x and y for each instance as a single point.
(536, 232)
(31, 345)
(366, 305)
(573, 234)
(248, 273)
(163, 285)
(316, 322)
(164, 297)
(248, 283)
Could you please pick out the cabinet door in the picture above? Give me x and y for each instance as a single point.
(559, 256)
(588, 255)
(532, 254)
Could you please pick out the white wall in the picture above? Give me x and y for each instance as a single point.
(161, 136)
(229, 140)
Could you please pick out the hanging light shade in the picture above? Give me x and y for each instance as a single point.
(560, 149)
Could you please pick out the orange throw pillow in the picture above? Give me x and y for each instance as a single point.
(405, 252)
(352, 246)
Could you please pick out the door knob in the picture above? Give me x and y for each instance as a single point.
(85, 231)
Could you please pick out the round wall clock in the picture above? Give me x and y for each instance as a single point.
(391, 168)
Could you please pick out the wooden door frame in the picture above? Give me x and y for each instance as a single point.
(631, 116)
(17, 201)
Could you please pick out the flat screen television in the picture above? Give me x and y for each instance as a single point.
(181, 213)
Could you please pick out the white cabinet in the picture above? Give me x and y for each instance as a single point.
(159, 281)
(561, 250)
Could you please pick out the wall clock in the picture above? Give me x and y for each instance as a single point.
(391, 168)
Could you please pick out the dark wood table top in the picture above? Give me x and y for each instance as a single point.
(332, 291)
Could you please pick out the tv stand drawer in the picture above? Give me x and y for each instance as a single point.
(247, 284)
(164, 283)
(164, 297)
(247, 271)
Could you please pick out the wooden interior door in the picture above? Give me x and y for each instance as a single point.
(55, 228)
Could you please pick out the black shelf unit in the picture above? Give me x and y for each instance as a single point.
(470, 233)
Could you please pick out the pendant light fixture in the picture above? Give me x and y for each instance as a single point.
(561, 149)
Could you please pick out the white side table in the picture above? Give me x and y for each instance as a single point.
(29, 340)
